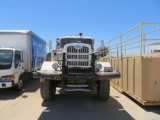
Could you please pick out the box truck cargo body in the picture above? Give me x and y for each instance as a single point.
(21, 53)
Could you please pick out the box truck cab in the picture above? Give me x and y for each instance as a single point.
(21, 53)
(11, 68)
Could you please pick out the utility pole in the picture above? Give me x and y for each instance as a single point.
(50, 45)
(102, 47)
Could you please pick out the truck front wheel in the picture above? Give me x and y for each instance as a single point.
(19, 85)
(103, 89)
(47, 89)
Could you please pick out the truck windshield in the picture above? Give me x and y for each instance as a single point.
(65, 41)
(5, 59)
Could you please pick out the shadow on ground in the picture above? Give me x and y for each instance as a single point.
(154, 109)
(83, 106)
(29, 86)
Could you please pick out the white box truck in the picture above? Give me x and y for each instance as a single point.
(21, 53)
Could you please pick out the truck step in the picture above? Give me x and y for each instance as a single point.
(77, 85)
(87, 90)
(80, 86)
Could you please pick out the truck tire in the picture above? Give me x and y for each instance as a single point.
(19, 85)
(103, 89)
(47, 89)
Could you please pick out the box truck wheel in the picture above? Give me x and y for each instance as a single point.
(19, 85)
(47, 89)
(103, 89)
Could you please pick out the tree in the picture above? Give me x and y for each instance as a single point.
(102, 51)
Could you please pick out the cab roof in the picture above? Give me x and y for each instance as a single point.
(83, 37)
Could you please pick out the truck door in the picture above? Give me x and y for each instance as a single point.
(19, 67)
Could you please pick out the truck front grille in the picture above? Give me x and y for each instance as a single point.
(78, 57)
(71, 49)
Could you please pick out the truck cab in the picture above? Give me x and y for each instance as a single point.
(11, 68)
(78, 49)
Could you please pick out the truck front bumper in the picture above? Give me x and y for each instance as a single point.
(6, 84)
(56, 75)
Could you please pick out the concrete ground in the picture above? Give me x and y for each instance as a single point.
(28, 105)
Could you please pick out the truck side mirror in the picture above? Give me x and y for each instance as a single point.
(96, 53)
(57, 42)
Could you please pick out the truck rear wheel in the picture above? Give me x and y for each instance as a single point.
(47, 89)
(103, 89)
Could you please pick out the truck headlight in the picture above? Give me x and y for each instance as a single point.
(98, 66)
(7, 77)
(55, 66)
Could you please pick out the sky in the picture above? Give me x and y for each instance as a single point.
(101, 19)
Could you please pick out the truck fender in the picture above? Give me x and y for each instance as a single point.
(47, 65)
(106, 66)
